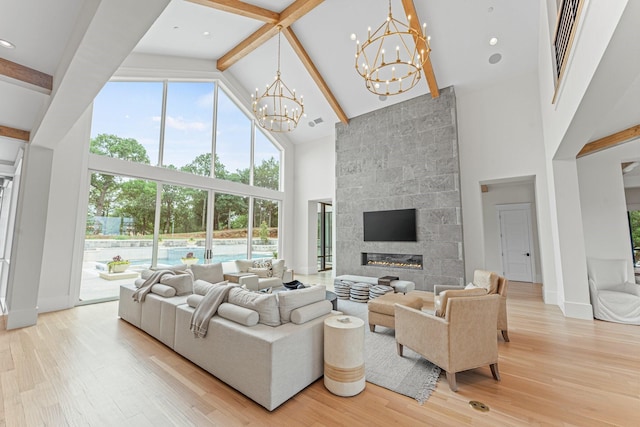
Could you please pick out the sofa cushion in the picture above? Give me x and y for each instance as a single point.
(261, 272)
(290, 300)
(440, 301)
(265, 304)
(139, 282)
(201, 287)
(183, 283)
(311, 311)
(211, 273)
(194, 299)
(243, 265)
(163, 290)
(238, 314)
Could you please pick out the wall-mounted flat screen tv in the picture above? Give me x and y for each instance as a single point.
(390, 226)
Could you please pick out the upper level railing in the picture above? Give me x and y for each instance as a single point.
(566, 25)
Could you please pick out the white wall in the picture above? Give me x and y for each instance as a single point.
(500, 194)
(500, 137)
(597, 26)
(314, 181)
(66, 200)
(604, 207)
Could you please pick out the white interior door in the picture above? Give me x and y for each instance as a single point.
(515, 241)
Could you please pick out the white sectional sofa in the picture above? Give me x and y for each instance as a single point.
(268, 364)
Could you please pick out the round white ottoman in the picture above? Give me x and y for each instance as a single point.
(344, 355)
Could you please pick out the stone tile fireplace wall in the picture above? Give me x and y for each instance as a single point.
(400, 157)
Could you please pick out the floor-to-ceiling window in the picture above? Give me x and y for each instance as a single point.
(155, 214)
(325, 233)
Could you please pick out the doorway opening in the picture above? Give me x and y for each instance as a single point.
(325, 233)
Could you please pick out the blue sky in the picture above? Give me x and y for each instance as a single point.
(134, 109)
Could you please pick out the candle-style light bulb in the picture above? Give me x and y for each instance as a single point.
(382, 55)
(397, 53)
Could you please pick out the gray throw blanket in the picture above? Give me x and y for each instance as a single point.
(207, 308)
(142, 291)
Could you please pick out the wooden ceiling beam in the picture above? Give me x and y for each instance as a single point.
(287, 17)
(26, 74)
(9, 132)
(242, 9)
(315, 74)
(427, 68)
(610, 141)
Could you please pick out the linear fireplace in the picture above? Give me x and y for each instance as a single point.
(412, 262)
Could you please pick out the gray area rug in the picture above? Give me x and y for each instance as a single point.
(411, 375)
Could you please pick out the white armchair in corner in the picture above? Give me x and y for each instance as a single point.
(613, 296)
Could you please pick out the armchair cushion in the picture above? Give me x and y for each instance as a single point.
(441, 303)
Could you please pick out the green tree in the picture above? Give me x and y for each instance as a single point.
(139, 203)
(267, 174)
(104, 188)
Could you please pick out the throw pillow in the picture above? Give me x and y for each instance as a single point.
(486, 279)
(201, 287)
(243, 265)
(264, 263)
(260, 272)
(290, 300)
(211, 273)
(278, 268)
(163, 290)
(265, 304)
(309, 312)
(183, 283)
(238, 314)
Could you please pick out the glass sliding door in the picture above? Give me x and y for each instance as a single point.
(183, 224)
(264, 243)
(230, 222)
(119, 234)
(325, 239)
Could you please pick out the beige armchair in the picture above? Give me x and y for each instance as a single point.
(463, 339)
(493, 284)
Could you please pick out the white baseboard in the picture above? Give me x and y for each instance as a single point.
(46, 305)
(578, 310)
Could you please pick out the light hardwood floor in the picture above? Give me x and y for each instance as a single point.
(85, 366)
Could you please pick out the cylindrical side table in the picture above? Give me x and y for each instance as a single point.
(344, 355)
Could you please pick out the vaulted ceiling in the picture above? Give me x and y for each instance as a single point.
(317, 50)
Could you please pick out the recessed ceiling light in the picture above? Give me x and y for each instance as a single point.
(382, 97)
(7, 44)
(493, 41)
(495, 58)
(490, 9)
(353, 36)
(206, 33)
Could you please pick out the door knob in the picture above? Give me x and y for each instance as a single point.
(527, 254)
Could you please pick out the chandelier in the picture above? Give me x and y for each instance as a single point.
(277, 109)
(391, 58)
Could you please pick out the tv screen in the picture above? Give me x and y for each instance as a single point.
(390, 226)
